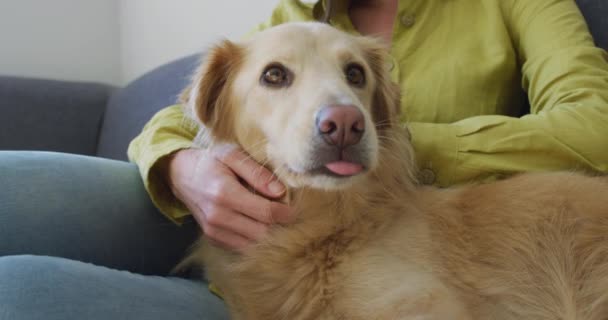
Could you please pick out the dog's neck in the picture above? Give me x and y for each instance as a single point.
(337, 210)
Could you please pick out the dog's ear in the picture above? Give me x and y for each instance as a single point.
(386, 103)
(209, 97)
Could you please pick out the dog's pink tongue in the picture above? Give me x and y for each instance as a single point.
(344, 168)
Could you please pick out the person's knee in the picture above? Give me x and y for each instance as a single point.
(24, 271)
(12, 267)
(29, 271)
(40, 287)
(20, 280)
(32, 286)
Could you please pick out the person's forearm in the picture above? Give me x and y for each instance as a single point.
(493, 146)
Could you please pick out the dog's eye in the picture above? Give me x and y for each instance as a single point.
(276, 75)
(355, 75)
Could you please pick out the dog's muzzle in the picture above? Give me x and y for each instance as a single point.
(339, 129)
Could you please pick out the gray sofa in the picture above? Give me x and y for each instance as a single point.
(99, 121)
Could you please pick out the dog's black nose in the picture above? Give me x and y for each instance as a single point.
(340, 125)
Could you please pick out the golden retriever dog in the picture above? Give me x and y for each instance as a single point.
(316, 106)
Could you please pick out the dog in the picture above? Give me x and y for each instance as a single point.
(317, 107)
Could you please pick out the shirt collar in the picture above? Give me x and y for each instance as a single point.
(338, 17)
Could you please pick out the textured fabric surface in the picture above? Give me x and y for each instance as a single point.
(130, 108)
(462, 78)
(37, 287)
(84, 208)
(51, 115)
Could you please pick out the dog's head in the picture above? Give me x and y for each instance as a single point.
(305, 99)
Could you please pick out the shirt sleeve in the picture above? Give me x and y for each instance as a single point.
(566, 78)
(167, 132)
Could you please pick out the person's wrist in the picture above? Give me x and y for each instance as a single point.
(174, 162)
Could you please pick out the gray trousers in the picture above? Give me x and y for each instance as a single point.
(79, 239)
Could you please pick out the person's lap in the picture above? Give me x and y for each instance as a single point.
(92, 210)
(40, 287)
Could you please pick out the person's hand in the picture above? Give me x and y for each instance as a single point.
(207, 182)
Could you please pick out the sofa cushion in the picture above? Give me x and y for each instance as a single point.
(596, 14)
(51, 115)
(131, 107)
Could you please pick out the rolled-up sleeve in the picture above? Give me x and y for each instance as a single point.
(167, 132)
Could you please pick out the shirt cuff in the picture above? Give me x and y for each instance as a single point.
(153, 169)
(436, 150)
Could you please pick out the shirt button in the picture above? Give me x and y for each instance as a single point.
(426, 176)
(408, 20)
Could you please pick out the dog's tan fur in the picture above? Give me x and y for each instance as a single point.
(380, 246)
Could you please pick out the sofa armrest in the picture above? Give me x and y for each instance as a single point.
(51, 115)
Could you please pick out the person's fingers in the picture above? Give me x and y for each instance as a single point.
(231, 194)
(257, 176)
(262, 209)
(220, 236)
(236, 222)
(226, 239)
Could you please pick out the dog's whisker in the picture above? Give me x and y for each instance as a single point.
(276, 172)
(383, 122)
(256, 145)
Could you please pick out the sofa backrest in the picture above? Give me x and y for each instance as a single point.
(596, 14)
(52, 115)
(131, 107)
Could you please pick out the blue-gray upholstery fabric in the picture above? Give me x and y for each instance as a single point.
(130, 108)
(85, 208)
(596, 14)
(50, 288)
(51, 115)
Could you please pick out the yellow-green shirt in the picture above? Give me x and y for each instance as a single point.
(462, 65)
